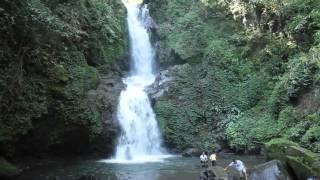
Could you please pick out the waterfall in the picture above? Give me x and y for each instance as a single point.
(140, 140)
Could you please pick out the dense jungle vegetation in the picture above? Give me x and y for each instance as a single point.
(52, 53)
(252, 72)
(249, 72)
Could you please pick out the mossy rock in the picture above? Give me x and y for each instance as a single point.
(301, 170)
(7, 169)
(302, 162)
(276, 147)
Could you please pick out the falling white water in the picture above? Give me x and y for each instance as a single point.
(140, 140)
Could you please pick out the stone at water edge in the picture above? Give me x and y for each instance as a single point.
(272, 170)
(214, 173)
(302, 162)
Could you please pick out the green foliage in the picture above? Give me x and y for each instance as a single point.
(281, 142)
(50, 52)
(300, 75)
(179, 33)
(199, 111)
(311, 139)
(241, 85)
(250, 129)
(317, 37)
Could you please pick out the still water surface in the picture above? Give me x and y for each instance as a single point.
(176, 168)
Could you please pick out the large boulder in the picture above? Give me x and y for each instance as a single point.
(302, 162)
(272, 170)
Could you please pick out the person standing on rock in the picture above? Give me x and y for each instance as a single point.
(213, 158)
(239, 166)
(204, 159)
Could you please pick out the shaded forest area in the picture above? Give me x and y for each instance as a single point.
(52, 53)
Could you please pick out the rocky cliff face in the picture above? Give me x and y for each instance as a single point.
(60, 62)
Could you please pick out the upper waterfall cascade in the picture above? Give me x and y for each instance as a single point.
(140, 140)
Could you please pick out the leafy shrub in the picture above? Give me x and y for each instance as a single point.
(311, 139)
(250, 130)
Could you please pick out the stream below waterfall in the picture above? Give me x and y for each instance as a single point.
(175, 168)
